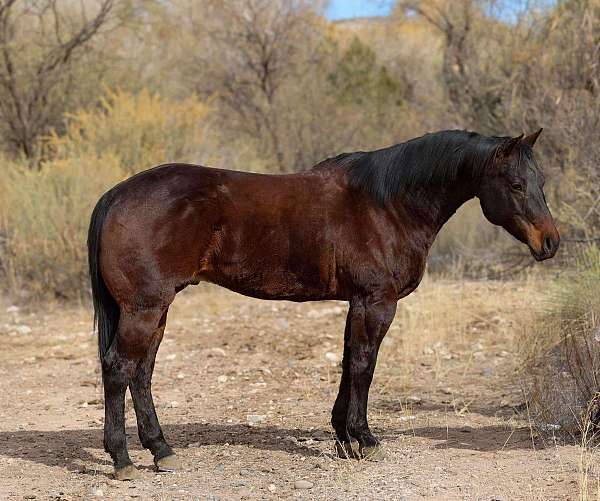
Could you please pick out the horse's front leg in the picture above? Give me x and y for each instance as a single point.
(368, 321)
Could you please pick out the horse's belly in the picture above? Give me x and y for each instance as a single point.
(269, 270)
(275, 288)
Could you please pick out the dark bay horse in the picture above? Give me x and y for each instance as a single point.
(357, 227)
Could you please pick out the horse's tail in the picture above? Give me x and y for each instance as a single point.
(106, 309)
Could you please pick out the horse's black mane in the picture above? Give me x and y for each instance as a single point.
(436, 158)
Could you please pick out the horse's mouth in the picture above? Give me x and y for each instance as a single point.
(548, 250)
(540, 256)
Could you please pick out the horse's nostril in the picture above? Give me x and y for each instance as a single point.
(548, 245)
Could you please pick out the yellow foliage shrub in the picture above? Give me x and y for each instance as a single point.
(140, 131)
(44, 213)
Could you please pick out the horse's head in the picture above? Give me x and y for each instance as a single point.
(511, 195)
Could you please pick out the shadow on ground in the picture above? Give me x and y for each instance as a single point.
(489, 438)
(482, 439)
(72, 449)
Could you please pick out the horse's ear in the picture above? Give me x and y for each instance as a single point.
(509, 146)
(532, 138)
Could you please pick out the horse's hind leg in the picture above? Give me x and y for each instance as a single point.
(149, 430)
(137, 335)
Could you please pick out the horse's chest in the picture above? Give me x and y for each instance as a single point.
(408, 270)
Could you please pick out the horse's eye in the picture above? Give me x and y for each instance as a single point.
(517, 186)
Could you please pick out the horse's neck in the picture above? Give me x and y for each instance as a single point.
(433, 206)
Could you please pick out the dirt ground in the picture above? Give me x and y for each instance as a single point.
(244, 390)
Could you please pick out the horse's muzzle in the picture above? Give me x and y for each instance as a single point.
(550, 244)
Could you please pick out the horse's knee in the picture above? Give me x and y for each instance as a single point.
(360, 362)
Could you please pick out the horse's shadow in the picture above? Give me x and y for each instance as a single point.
(72, 449)
(481, 439)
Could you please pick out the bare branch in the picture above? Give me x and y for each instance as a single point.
(26, 83)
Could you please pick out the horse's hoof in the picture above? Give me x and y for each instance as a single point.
(373, 453)
(129, 472)
(353, 450)
(168, 464)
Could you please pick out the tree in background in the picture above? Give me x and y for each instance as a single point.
(285, 84)
(473, 71)
(252, 50)
(41, 43)
(359, 80)
(566, 73)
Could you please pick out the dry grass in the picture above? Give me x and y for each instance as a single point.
(561, 356)
(588, 479)
(446, 318)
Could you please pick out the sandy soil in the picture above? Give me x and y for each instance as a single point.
(446, 412)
